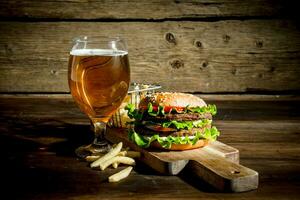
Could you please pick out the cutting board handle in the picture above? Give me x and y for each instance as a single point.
(223, 174)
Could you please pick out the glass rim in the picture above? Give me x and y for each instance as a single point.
(86, 38)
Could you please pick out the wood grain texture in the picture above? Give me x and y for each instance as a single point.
(36, 135)
(250, 55)
(223, 174)
(140, 9)
(36, 131)
(255, 114)
(223, 150)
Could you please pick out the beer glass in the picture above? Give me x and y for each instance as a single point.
(99, 77)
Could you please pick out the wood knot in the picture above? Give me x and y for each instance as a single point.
(259, 44)
(226, 38)
(260, 75)
(205, 64)
(54, 72)
(198, 44)
(234, 71)
(176, 64)
(8, 50)
(170, 38)
(272, 69)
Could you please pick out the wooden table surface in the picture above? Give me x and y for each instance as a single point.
(40, 132)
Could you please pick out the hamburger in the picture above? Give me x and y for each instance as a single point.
(173, 121)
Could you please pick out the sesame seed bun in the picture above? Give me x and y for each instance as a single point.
(172, 99)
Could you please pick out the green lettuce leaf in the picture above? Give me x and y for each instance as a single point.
(144, 142)
(206, 109)
(139, 140)
(186, 124)
(134, 113)
(160, 111)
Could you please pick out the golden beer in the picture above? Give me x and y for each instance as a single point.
(99, 81)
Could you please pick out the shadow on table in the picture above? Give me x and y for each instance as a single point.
(196, 182)
(62, 139)
(55, 136)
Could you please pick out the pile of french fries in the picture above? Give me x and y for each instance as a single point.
(117, 155)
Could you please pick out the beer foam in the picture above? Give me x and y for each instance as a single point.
(97, 52)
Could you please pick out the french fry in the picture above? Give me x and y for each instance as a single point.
(120, 175)
(91, 158)
(115, 165)
(119, 159)
(133, 154)
(112, 153)
(122, 153)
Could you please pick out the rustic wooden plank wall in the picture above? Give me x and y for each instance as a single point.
(243, 56)
(210, 46)
(141, 9)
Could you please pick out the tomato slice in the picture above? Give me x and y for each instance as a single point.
(159, 128)
(166, 108)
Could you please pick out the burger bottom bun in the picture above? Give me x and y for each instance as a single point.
(181, 147)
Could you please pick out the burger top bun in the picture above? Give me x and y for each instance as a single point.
(172, 99)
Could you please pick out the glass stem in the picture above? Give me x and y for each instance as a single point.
(99, 131)
(99, 145)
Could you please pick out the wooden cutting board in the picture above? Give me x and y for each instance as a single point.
(217, 163)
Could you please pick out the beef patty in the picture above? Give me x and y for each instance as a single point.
(143, 130)
(178, 117)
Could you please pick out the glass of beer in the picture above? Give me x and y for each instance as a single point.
(99, 77)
